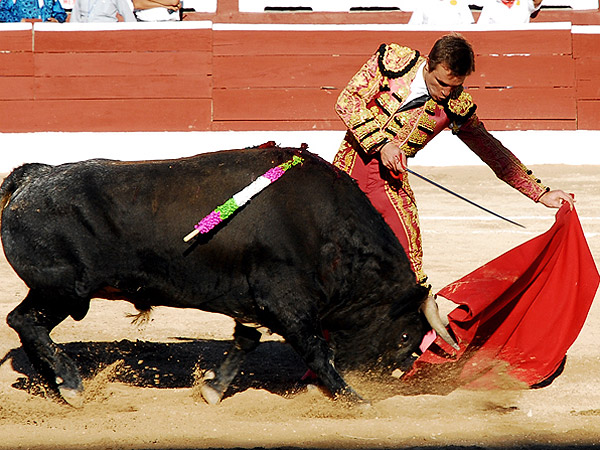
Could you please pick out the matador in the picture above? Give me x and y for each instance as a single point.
(385, 127)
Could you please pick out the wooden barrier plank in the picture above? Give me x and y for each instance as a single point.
(273, 104)
(106, 115)
(366, 42)
(16, 63)
(523, 124)
(335, 71)
(315, 71)
(588, 82)
(521, 42)
(526, 103)
(588, 118)
(277, 125)
(224, 15)
(300, 125)
(585, 45)
(16, 40)
(315, 104)
(123, 64)
(582, 17)
(262, 42)
(523, 71)
(123, 87)
(163, 40)
(363, 43)
(16, 88)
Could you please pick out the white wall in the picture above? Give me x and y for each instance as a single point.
(532, 147)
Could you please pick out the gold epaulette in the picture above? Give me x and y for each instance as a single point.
(395, 60)
(460, 109)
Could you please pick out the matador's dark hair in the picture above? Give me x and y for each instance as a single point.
(454, 52)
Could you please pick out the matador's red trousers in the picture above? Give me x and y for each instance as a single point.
(392, 197)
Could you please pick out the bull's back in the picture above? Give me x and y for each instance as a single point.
(97, 222)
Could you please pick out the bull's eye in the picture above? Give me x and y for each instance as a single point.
(404, 338)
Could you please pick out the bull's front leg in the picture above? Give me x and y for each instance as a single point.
(33, 320)
(318, 356)
(215, 382)
(292, 313)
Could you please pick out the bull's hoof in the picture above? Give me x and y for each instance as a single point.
(71, 391)
(210, 395)
(73, 397)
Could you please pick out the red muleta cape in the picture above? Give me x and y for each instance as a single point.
(517, 315)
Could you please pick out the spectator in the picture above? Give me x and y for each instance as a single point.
(508, 12)
(6, 14)
(157, 10)
(44, 10)
(442, 12)
(102, 11)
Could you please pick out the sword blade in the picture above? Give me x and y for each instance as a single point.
(462, 198)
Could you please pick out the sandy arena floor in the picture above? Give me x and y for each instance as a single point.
(139, 381)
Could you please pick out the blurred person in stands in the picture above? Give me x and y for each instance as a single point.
(44, 10)
(509, 12)
(394, 105)
(442, 13)
(157, 10)
(102, 11)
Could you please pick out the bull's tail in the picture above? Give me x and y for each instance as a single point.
(18, 177)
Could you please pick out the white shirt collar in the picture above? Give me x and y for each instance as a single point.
(418, 86)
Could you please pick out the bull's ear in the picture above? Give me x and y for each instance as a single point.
(410, 301)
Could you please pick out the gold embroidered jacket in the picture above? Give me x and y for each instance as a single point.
(369, 107)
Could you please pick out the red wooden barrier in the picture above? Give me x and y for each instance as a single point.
(16, 63)
(52, 40)
(16, 38)
(112, 80)
(106, 115)
(586, 54)
(297, 75)
(202, 78)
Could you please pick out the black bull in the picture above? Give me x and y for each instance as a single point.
(307, 254)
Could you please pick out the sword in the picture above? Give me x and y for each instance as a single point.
(461, 197)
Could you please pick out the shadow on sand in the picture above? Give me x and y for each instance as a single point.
(174, 365)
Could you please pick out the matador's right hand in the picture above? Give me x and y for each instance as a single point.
(393, 158)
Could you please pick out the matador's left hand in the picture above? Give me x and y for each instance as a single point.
(555, 199)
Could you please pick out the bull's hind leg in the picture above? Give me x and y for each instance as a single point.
(33, 320)
(216, 382)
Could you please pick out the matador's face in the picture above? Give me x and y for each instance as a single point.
(441, 82)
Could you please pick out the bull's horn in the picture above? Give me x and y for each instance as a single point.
(432, 314)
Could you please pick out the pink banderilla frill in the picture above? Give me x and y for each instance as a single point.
(223, 212)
